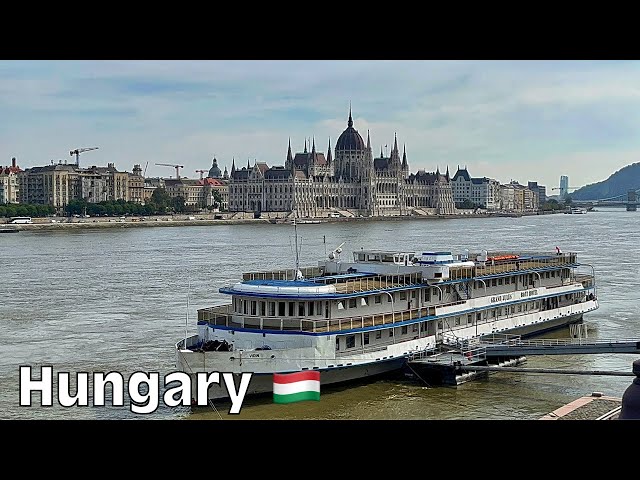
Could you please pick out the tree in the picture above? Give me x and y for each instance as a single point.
(217, 198)
(467, 204)
(178, 204)
(568, 201)
(161, 198)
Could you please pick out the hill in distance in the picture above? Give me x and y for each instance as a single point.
(625, 179)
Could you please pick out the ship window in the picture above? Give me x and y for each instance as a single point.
(301, 309)
(378, 299)
(403, 295)
(372, 258)
(365, 339)
(361, 257)
(352, 303)
(389, 297)
(519, 308)
(437, 275)
(553, 274)
(244, 307)
(494, 282)
(311, 310)
(378, 334)
(391, 332)
(513, 309)
(499, 281)
(427, 294)
(478, 316)
(447, 289)
(493, 313)
(351, 341)
(404, 330)
(457, 321)
(272, 309)
(469, 320)
(440, 325)
(415, 327)
(263, 308)
(281, 309)
(513, 279)
(337, 343)
(291, 309)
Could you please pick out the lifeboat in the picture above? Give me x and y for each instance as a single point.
(503, 257)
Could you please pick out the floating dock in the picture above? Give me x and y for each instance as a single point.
(593, 407)
(456, 363)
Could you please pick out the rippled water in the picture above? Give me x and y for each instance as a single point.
(115, 300)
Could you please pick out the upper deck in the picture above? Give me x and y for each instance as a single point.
(389, 271)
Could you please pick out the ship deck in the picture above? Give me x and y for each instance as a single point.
(348, 283)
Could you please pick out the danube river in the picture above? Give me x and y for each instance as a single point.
(116, 300)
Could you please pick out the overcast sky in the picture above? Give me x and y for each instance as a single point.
(520, 120)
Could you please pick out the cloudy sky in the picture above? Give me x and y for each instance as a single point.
(520, 120)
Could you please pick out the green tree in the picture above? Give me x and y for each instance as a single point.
(467, 204)
(161, 198)
(217, 198)
(178, 204)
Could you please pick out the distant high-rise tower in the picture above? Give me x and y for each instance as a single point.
(564, 186)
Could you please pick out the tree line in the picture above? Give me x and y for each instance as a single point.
(160, 203)
(25, 210)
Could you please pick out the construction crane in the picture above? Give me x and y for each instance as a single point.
(201, 172)
(177, 167)
(78, 151)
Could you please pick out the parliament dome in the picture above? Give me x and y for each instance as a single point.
(350, 139)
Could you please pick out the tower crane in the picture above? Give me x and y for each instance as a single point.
(78, 151)
(177, 167)
(201, 172)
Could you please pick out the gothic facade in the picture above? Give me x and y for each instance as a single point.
(351, 182)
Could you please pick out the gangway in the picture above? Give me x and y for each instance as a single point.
(498, 346)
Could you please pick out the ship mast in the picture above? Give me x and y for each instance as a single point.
(295, 230)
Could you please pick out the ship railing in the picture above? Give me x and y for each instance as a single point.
(373, 283)
(500, 338)
(285, 274)
(217, 316)
(502, 266)
(475, 353)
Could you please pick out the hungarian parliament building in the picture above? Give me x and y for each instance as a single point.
(351, 181)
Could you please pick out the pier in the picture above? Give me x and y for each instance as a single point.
(454, 364)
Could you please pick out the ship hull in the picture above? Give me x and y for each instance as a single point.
(262, 383)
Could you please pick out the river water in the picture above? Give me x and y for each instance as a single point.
(116, 300)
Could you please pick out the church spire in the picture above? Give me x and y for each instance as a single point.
(350, 122)
(368, 140)
(248, 165)
(329, 152)
(289, 155)
(395, 143)
(305, 145)
(447, 174)
(233, 165)
(405, 165)
(381, 154)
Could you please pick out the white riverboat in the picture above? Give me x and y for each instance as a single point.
(366, 315)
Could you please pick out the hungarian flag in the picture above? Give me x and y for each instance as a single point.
(296, 387)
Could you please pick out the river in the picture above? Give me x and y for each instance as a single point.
(116, 300)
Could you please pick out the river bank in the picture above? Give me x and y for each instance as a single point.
(48, 224)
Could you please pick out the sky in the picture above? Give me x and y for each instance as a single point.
(509, 120)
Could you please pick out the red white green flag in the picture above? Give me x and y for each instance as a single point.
(296, 387)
